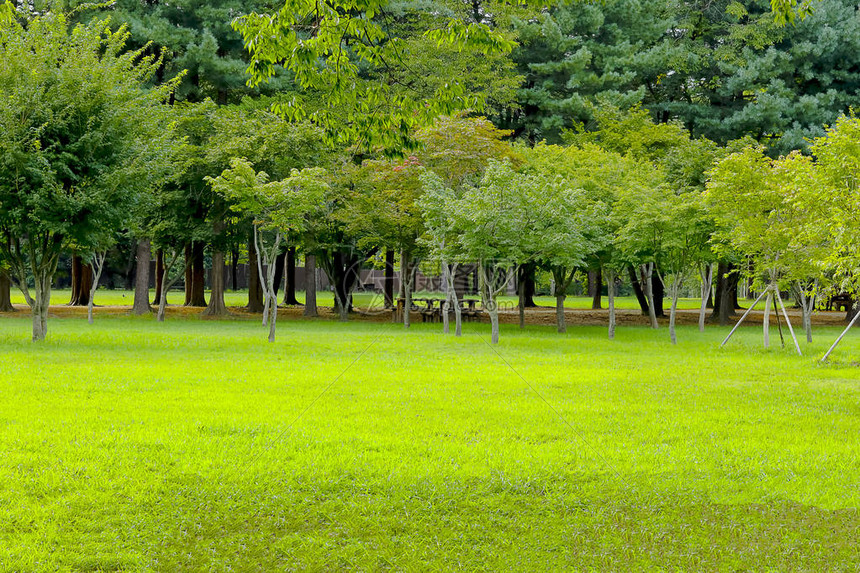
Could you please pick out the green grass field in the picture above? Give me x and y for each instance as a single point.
(362, 299)
(196, 446)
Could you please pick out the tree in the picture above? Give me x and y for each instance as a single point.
(758, 205)
(382, 68)
(838, 156)
(605, 177)
(198, 41)
(456, 150)
(77, 131)
(494, 220)
(382, 211)
(279, 208)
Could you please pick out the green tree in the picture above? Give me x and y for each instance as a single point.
(759, 205)
(455, 151)
(494, 222)
(78, 135)
(371, 72)
(279, 208)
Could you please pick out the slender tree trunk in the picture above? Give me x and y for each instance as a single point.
(561, 326)
(637, 289)
(675, 290)
(273, 300)
(521, 294)
(807, 305)
(234, 270)
(451, 297)
(280, 264)
(5, 293)
(97, 267)
(255, 285)
(647, 271)
(388, 282)
(189, 274)
(706, 274)
(217, 306)
(198, 275)
(487, 287)
(610, 289)
(494, 324)
(167, 284)
(406, 278)
(159, 275)
(42, 279)
(141, 281)
(310, 286)
(595, 283)
(290, 285)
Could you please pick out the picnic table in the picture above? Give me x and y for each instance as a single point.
(432, 308)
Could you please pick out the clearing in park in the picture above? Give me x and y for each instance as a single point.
(132, 445)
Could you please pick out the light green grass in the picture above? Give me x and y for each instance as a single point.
(105, 297)
(196, 446)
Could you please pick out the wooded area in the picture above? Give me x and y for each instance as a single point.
(652, 144)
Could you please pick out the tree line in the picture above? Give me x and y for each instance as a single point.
(518, 136)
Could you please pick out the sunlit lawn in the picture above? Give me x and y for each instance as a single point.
(197, 446)
(105, 297)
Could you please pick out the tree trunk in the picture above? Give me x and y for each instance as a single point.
(494, 324)
(406, 279)
(310, 286)
(707, 275)
(5, 293)
(610, 289)
(561, 326)
(658, 293)
(41, 304)
(255, 285)
(198, 275)
(726, 290)
(290, 285)
(97, 267)
(595, 287)
(216, 306)
(141, 281)
(527, 276)
(159, 275)
(637, 289)
(451, 297)
(674, 292)
(280, 263)
(388, 281)
(647, 271)
(273, 299)
(234, 270)
(82, 282)
(189, 274)
(521, 304)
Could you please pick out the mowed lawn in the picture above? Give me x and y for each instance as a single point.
(196, 446)
(362, 300)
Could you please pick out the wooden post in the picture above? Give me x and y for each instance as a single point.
(841, 336)
(743, 317)
(788, 322)
(766, 323)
